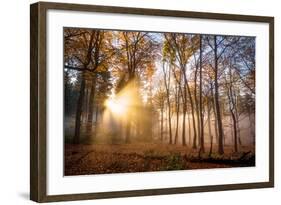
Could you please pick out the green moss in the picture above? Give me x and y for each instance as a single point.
(174, 162)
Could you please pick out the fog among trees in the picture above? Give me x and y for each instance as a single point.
(157, 96)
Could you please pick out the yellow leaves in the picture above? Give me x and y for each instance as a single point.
(195, 41)
(150, 69)
(180, 47)
(209, 71)
(168, 52)
(101, 68)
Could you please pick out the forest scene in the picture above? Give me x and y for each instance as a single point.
(138, 101)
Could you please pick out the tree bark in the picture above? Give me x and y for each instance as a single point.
(76, 139)
(170, 123)
(183, 125)
(161, 125)
(235, 132)
(86, 105)
(232, 111)
(189, 129)
(237, 119)
(66, 91)
(177, 96)
(214, 111)
(202, 147)
(194, 146)
(209, 129)
(197, 104)
(217, 104)
(91, 106)
(167, 76)
(97, 114)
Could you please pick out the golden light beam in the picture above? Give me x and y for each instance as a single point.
(118, 106)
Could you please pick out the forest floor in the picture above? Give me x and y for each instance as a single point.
(142, 157)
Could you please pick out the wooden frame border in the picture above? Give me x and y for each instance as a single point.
(38, 111)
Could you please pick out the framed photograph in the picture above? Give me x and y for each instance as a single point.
(134, 102)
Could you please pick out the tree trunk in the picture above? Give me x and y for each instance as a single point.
(218, 112)
(91, 107)
(177, 114)
(86, 106)
(209, 129)
(97, 115)
(167, 80)
(237, 120)
(66, 91)
(202, 147)
(169, 121)
(79, 108)
(197, 104)
(184, 97)
(194, 146)
(214, 111)
(189, 129)
(235, 131)
(232, 111)
(183, 125)
(161, 125)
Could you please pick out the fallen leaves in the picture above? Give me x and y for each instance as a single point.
(104, 159)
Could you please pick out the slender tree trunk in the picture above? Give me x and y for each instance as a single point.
(218, 112)
(184, 106)
(232, 111)
(161, 125)
(183, 125)
(97, 114)
(250, 121)
(139, 121)
(167, 124)
(202, 147)
(79, 108)
(216, 125)
(91, 106)
(170, 122)
(231, 129)
(87, 99)
(237, 119)
(177, 114)
(197, 105)
(209, 129)
(184, 98)
(167, 80)
(194, 146)
(235, 132)
(65, 93)
(189, 129)
(211, 145)
(179, 94)
(183, 117)
(238, 129)
(214, 111)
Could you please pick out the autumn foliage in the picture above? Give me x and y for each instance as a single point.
(146, 101)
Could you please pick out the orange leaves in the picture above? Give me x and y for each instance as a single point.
(180, 47)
